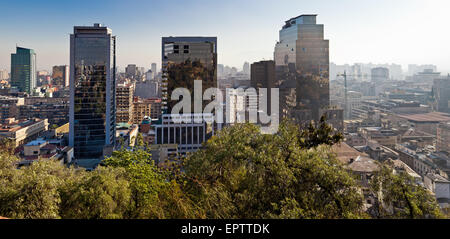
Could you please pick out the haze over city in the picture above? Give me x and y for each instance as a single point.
(402, 31)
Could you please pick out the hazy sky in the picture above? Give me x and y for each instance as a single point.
(377, 31)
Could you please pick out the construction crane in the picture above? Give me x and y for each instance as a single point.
(345, 88)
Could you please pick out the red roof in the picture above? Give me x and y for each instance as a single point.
(32, 157)
(49, 146)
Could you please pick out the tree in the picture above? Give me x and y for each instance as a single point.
(31, 192)
(242, 173)
(101, 194)
(400, 196)
(312, 136)
(154, 194)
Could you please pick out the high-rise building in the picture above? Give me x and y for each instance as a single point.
(131, 71)
(146, 108)
(246, 68)
(185, 59)
(92, 91)
(124, 102)
(149, 75)
(220, 70)
(414, 69)
(443, 137)
(425, 77)
(147, 89)
(263, 76)
(441, 91)
(4, 75)
(302, 45)
(380, 75)
(154, 70)
(23, 69)
(60, 75)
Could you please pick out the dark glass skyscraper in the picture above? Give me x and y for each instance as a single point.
(185, 59)
(23, 69)
(92, 90)
(302, 45)
(263, 76)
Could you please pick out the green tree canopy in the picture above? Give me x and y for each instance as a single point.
(401, 197)
(242, 173)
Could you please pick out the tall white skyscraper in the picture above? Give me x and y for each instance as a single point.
(4, 74)
(155, 73)
(246, 68)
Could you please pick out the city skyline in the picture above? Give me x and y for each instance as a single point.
(399, 38)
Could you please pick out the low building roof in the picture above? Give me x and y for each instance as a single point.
(363, 165)
(431, 117)
(437, 178)
(345, 153)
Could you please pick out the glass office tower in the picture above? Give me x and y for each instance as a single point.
(92, 91)
(185, 59)
(23, 69)
(302, 44)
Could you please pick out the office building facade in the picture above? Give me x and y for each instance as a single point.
(441, 94)
(124, 102)
(185, 59)
(23, 70)
(303, 49)
(92, 91)
(263, 76)
(60, 76)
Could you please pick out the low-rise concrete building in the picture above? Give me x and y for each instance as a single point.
(385, 137)
(21, 132)
(41, 149)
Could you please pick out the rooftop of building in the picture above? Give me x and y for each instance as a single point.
(188, 39)
(95, 28)
(345, 153)
(312, 16)
(401, 166)
(432, 117)
(363, 165)
(37, 142)
(17, 125)
(412, 132)
(437, 178)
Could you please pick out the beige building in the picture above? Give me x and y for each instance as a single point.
(42, 149)
(146, 107)
(382, 136)
(124, 103)
(428, 122)
(23, 131)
